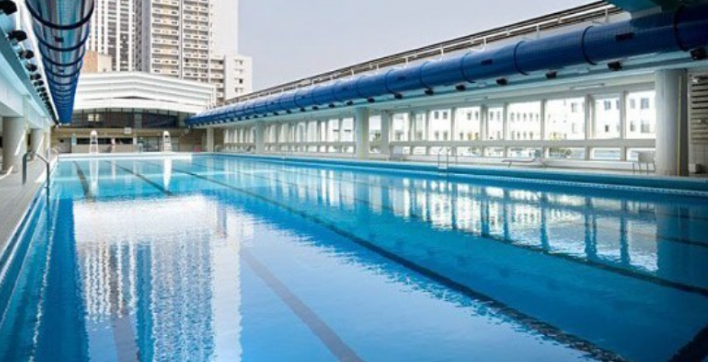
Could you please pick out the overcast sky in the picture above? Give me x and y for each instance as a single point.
(292, 39)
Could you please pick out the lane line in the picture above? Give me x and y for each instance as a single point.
(90, 197)
(143, 178)
(327, 335)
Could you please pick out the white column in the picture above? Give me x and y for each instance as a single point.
(386, 117)
(210, 140)
(260, 138)
(37, 141)
(361, 128)
(14, 139)
(672, 122)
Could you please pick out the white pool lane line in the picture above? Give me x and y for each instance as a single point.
(327, 335)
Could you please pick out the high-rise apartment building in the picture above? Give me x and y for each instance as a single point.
(187, 39)
(113, 32)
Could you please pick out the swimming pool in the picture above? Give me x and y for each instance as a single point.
(208, 257)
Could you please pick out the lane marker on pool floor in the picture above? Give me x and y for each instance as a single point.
(326, 334)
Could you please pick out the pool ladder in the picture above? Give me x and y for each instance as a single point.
(25, 159)
(443, 164)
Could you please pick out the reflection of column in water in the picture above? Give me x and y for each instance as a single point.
(114, 172)
(543, 201)
(624, 236)
(590, 230)
(93, 176)
(485, 212)
(676, 259)
(167, 173)
(226, 304)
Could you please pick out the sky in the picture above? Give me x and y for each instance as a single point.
(294, 39)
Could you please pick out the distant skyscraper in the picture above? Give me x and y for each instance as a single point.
(187, 39)
(113, 32)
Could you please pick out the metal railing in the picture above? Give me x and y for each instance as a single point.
(597, 11)
(25, 159)
(449, 153)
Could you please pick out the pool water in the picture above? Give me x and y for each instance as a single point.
(217, 258)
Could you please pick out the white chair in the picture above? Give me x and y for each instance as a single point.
(536, 160)
(647, 159)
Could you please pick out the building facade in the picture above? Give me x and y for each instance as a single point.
(194, 40)
(178, 39)
(131, 111)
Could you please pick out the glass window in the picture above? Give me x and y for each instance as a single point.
(494, 152)
(524, 121)
(641, 115)
(565, 119)
(566, 153)
(347, 130)
(420, 129)
(440, 126)
(469, 151)
(607, 117)
(375, 128)
(333, 131)
(495, 123)
(519, 152)
(468, 124)
(606, 154)
(401, 127)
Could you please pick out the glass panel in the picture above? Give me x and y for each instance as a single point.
(606, 154)
(524, 121)
(468, 124)
(494, 152)
(333, 132)
(565, 119)
(420, 129)
(641, 115)
(495, 123)
(519, 152)
(440, 125)
(401, 127)
(469, 151)
(567, 153)
(347, 130)
(607, 117)
(374, 128)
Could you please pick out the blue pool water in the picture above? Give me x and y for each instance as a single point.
(213, 258)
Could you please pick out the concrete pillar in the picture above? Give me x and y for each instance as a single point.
(361, 128)
(37, 141)
(210, 140)
(14, 140)
(672, 122)
(386, 120)
(260, 138)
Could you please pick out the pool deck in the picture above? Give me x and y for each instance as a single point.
(15, 199)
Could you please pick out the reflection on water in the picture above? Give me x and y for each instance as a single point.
(227, 259)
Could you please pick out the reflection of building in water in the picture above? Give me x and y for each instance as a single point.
(612, 231)
(178, 282)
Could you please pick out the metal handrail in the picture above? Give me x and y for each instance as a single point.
(25, 159)
(447, 152)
